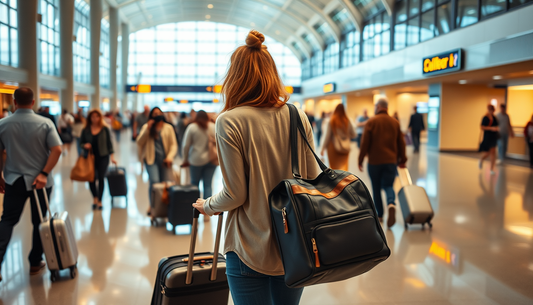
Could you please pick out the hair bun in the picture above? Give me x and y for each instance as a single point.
(255, 40)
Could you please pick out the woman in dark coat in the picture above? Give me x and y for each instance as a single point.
(489, 125)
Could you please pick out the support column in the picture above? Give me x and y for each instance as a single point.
(66, 22)
(125, 54)
(344, 100)
(27, 45)
(95, 21)
(113, 48)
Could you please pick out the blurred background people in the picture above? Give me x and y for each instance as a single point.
(196, 152)
(116, 124)
(416, 125)
(181, 126)
(505, 130)
(361, 121)
(489, 126)
(140, 120)
(318, 127)
(157, 147)
(339, 133)
(64, 124)
(77, 128)
(528, 134)
(96, 137)
(45, 111)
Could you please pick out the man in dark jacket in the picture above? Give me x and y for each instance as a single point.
(416, 125)
(46, 113)
(383, 142)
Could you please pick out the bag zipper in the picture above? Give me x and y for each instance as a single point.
(315, 251)
(285, 221)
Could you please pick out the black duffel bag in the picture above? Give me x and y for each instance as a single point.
(327, 228)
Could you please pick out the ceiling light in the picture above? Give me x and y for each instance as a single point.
(531, 72)
(207, 16)
(210, 6)
(496, 77)
(471, 12)
(463, 81)
(252, 23)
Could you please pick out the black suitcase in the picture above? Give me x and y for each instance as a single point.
(116, 180)
(196, 278)
(181, 197)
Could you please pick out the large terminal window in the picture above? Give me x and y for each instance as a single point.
(81, 44)
(195, 53)
(48, 32)
(350, 49)
(8, 33)
(376, 36)
(331, 58)
(104, 55)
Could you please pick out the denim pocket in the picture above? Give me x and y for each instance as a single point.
(247, 271)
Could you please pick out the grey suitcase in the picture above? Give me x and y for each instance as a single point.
(159, 209)
(57, 238)
(194, 278)
(414, 201)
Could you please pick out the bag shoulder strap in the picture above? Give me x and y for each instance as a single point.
(296, 126)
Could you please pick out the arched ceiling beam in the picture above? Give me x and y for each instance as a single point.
(317, 38)
(335, 31)
(389, 6)
(222, 19)
(354, 14)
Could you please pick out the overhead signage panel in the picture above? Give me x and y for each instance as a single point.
(194, 89)
(443, 63)
(329, 88)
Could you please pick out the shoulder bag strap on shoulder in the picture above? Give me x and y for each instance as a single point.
(297, 126)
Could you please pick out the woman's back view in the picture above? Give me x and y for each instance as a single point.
(254, 154)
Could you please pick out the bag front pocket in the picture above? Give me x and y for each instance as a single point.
(345, 240)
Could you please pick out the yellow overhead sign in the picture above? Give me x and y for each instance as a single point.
(329, 88)
(445, 62)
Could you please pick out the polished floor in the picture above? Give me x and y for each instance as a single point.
(480, 250)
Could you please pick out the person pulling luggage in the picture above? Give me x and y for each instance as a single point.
(33, 148)
(96, 137)
(157, 148)
(384, 143)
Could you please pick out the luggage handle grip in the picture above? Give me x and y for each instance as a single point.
(194, 235)
(37, 201)
(199, 258)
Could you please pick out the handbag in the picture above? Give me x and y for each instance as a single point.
(83, 170)
(326, 228)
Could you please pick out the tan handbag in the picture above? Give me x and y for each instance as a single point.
(83, 170)
(213, 153)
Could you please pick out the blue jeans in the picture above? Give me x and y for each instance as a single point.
(204, 173)
(382, 177)
(157, 172)
(78, 143)
(249, 287)
(502, 146)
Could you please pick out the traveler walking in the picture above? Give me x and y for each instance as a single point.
(157, 148)
(196, 152)
(116, 124)
(361, 121)
(254, 154)
(77, 128)
(339, 134)
(528, 134)
(33, 147)
(505, 130)
(384, 143)
(489, 126)
(181, 126)
(140, 120)
(318, 127)
(96, 138)
(416, 125)
(65, 122)
(45, 111)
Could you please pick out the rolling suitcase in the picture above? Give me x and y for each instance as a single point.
(180, 200)
(59, 243)
(414, 201)
(116, 179)
(159, 209)
(196, 278)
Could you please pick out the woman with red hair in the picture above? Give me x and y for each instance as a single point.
(339, 134)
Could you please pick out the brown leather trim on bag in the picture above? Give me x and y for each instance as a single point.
(296, 189)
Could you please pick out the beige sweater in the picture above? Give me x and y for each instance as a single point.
(254, 155)
(146, 145)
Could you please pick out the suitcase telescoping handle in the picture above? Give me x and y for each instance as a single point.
(39, 203)
(194, 234)
(405, 177)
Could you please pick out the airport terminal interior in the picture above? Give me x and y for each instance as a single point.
(450, 59)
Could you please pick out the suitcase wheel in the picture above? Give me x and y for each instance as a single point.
(54, 275)
(73, 272)
(430, 225)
